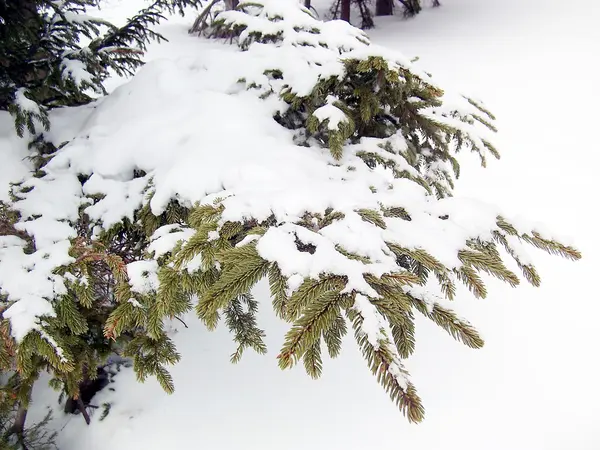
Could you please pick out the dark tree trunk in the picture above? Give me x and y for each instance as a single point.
(231, 4)
(18, 427)
(384, 8)
(411, 7)
(83, 411)
(345, 13)
(87, 389)
(307, 4)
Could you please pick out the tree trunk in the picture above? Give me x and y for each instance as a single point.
(18, 427)
(345, 13)
(307, 4)
(201, 21)
(231, 4)
(411, 7)
(84, 412)
(384, 8)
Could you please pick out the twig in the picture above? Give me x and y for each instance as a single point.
(81, 407)
(184, 324)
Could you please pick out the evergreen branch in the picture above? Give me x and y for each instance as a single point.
(318, 317)
(447, 286)
(372, 216)
(243, 325)
(243, 268)
(312, 360)
(202, 214)
(537, 240)
(529, 272)
(404, 337)
(278, 286)
(333, 336)
(491, 264)
(194, 246)
(396, 212)
(390, 373)
(310, 291)
(446, 319)
(551, 246)
(420, 256)
(472, 280)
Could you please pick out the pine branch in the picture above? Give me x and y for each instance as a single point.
(389, 371)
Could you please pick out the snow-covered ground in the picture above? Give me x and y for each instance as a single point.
(534, 385)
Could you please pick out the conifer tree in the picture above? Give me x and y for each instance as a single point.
(53, 54)
(14, 435)
(384, 7)
(386, 242)
(341, 9)
(44, 64)
(411, 7)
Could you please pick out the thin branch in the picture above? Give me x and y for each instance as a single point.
(200, 22)
(184, 324)
(84, 412)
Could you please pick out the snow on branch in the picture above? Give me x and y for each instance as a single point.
(307, 156)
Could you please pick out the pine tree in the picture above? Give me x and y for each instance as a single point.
(384, 8)
(345, 10)
(411, 7)
(341, 9)
(14, 397)
(45, 64)
(377, 125)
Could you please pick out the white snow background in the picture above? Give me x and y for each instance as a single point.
(534, 386)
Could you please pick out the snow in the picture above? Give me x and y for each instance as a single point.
(121, 198)
(213, 235)
(503, 396)
(374, 328)
(143, 276)
(33, 278)
(25, 103)
(278, 245)
(166, 238)
(247, 240)
(76, 70)
(334, 115)
(14, 167)
(188, 105)
(519, 250)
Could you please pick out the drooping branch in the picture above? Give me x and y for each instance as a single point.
(201, 21)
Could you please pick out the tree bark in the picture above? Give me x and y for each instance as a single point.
(18, 426)
(411, 7)
(231, 4)
(345, 13)
(384, 8)
(307, 4)
(84, 412)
